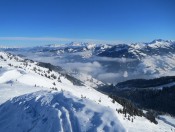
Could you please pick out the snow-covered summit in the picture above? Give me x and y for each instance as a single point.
(159, 43)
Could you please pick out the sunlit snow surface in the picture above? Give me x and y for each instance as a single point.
(46, 111)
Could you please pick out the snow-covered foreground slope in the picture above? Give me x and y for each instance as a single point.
(46, 111)
(61, 106)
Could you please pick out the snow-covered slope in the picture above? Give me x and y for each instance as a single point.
(59, 104)
(160, 43)
(45, 111)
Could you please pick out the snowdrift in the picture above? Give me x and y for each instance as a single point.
(45, 111)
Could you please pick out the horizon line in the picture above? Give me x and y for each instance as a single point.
(55, 39)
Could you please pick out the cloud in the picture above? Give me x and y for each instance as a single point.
(94, 69)
(56, 39)
(87, 68)
(110, 59)
(35, 38)
(106, 71)
(109, 77)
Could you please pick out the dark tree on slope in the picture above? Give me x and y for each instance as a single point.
(132, 110)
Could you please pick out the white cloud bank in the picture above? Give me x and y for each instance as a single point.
(56, 39)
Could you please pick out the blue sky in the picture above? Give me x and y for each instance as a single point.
(39, 22)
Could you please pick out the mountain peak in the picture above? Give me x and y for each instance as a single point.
(160, 40)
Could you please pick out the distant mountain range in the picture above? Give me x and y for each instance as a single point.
(124, 61)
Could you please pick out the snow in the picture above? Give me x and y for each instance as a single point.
(9, 75)
(161, 65)
(125, 74)
(47, 111)
(105, 46)
(32, 80)
(84, 54)
(160, 43)
(168, 119)
(88, 80)
(8, 91)
(91, 46)
(77, 107)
